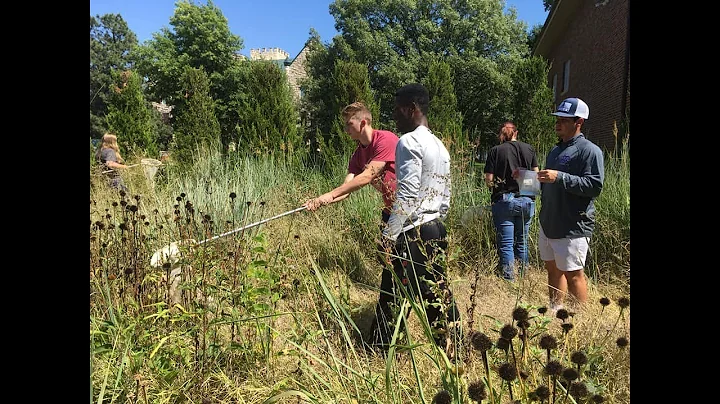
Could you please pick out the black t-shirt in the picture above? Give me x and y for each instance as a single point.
(502, 160)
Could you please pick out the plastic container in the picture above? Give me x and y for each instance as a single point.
(528, 183)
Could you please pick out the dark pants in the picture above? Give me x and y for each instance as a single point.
(417, 262)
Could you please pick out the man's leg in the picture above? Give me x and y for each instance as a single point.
(557, 284)
(577, 284)
(442, 314)
(524, 210)
(504, 235)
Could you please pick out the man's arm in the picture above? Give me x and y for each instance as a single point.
(352, 183)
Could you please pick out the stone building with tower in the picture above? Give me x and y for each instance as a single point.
(294, 68)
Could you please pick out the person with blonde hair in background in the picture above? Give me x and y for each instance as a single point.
(108, 155)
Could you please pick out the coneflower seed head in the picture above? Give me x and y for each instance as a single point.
(480, 341)
(442, 397)
(503, 344)
(508, 332)
(578, 358)
(578, 389)
(507, 372)
(597, 398)
(553, 368)
(570, 374)
(542, 310)
(476, 391)
(548, 342)
(520, 313)
(562, 314)
(623, 302)
(622, 342)
(543, 392)
(604, 301)
(566, 326)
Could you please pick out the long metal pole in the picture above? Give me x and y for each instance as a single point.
(253, 225)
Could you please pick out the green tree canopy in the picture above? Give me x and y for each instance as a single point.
(111, 42)
(394, 38)
(200, 38)
(196, 124)
(129, 116)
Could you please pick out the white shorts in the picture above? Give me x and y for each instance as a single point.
(569, 254)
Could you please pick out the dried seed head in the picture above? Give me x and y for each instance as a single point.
(570, 374)
(508, 332)
(503, 344)
(567, 327)
(597, 399)
(507, 372)
(520, 313)
(604, 301)
(543, 392)
(622, 342)
(476, 391)
(542, 310)
(233, 195)
(562, 314)
(578, 389)
(578, 358)
(442, 397)
(523, 324)
(623, 302)
(553, 368)
(547, 341)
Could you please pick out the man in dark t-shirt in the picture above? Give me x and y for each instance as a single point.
(511, 210)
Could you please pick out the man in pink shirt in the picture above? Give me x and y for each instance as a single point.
(373, 161)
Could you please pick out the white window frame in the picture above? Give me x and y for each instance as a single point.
(566, 76)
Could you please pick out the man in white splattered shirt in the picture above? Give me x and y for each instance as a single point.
(415, 235)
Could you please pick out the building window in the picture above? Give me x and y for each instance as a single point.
(566, 76)
(554, 87)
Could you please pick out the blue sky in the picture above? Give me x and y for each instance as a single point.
(281, 24)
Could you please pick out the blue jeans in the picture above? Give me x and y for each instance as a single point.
(511, 217)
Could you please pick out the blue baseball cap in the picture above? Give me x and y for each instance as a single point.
(572, 107)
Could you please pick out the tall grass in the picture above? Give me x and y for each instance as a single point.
(281, 312)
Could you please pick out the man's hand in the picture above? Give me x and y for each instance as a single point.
(547, 176)
(322, 200)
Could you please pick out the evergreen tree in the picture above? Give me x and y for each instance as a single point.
(352, 84)
(196, 124)
(268, 119)
(443, 116)
(110, 44)
(130, 117)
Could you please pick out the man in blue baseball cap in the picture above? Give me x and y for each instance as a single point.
(571, 180)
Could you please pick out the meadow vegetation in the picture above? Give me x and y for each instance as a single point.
(279, 313)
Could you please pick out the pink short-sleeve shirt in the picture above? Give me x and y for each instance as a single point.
(381, 148)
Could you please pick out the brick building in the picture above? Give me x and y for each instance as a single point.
(587, 43)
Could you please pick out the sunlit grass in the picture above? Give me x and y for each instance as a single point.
(280, 312)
